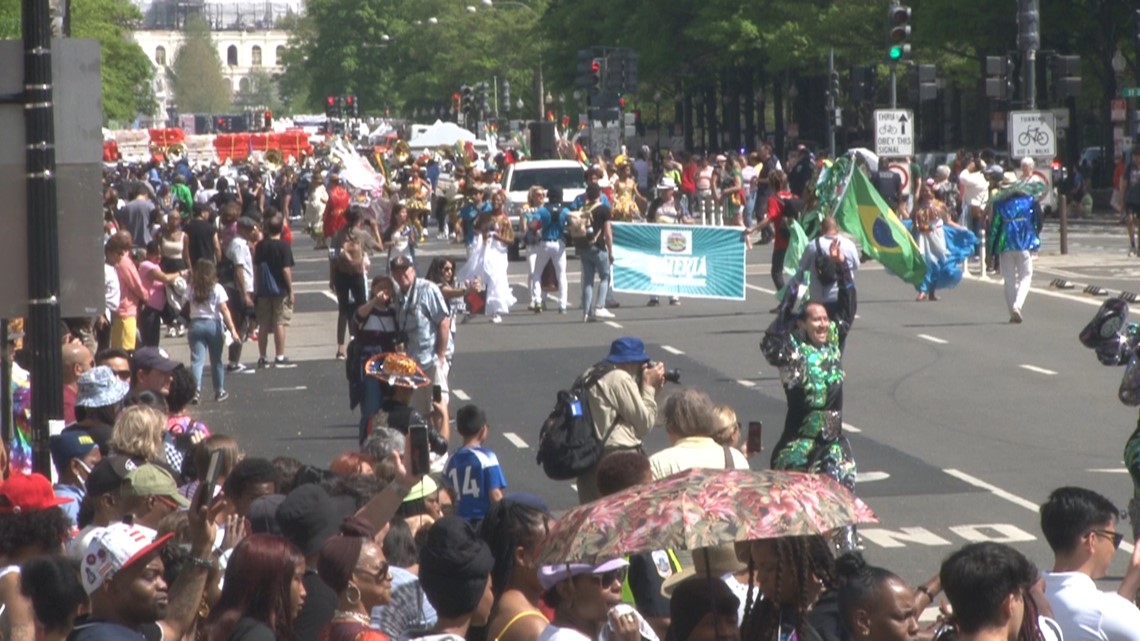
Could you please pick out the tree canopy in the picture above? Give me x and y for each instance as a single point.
(196, 75)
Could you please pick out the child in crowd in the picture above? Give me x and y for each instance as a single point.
(474, 470)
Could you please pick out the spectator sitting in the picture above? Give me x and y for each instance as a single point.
(690, 424)
(250, 479)
(455, 571)
(97, 405)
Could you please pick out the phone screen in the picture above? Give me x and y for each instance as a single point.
(436, 394)
(418, 435)
(213, 471)
(755, 436)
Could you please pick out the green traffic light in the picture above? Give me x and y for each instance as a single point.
(895, 53)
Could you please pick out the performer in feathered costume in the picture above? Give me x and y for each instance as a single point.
(1116, 342)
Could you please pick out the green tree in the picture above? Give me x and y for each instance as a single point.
(196, 75)
(262, 92)
(126, 71)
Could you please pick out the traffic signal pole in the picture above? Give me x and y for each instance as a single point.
(894, 85)
(1029, 40)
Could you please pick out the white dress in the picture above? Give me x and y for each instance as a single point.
(488, 264)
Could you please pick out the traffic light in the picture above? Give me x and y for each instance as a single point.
(1028, 25)
(268, 120)
(924, 83)
(621, 71)
(330, 107)
(1066, 71)
(340, 112)
(833, 87)
(999, 77)
(597, 74)
(584, 78)
(898, 33)
(350, 105)
(221, 125)
(506, 98)
(466, 100)
(863, 84)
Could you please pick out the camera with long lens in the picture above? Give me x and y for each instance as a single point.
(671, 375)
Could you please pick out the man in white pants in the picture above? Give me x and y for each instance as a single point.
(550, 225)
(1014, 236)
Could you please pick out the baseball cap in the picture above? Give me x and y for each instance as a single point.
(308, 516)
(400, 262)
(153, 358)
(551, 575)
(114, 548)
(69, 445)
(28, 493)
(107, 475)
(152, 480)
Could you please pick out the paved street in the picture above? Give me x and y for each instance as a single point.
(961, 423)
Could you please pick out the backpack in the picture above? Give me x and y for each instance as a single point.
(578, 226)
(825, 269)
(350, 258)
(568, 444)
(267, 286)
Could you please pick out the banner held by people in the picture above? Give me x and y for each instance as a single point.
(679, 260)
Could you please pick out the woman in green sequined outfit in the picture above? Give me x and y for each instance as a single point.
(805, 347)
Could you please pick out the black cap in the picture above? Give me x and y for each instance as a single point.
(107, 475)
(308, 516)
(400, 262)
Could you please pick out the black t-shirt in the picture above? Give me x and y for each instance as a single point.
(315, 614)
(250, 629)
(799, 176)
(277, 254)
(889, 186)
(249, 205)
(601, 215)
(645, 579)
(200, 236)
(92, 630)
(221, 198)
(766, 169)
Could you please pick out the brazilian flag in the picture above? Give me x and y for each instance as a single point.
(879, 232)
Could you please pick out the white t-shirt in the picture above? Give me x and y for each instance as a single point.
(694, 452)
(111, 293)
(211, 308)
(1087, 614)
(554, 633)
(975, 188)
(238, 252)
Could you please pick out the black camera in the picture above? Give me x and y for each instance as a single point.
(671, 375)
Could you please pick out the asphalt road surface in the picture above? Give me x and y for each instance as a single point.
(961, 423)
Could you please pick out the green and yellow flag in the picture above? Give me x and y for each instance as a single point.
(879, 232)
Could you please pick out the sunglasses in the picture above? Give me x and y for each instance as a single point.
(1116, 537)
(124, 374)
(380, 575)
(608, 578)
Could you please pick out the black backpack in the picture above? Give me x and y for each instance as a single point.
(825, 269)
(568, 444)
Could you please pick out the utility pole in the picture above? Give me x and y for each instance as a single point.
(1029, 40)
(832, 101)
(42, 323)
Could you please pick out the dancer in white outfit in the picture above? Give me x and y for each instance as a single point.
(550, 225)
(488, 261)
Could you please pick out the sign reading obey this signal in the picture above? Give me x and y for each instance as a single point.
(894, 132)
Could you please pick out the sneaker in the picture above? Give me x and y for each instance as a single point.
(1015, 317)
(283, 362)
(562, 310)
(262, 363)
(496, 319)
(613, 303)
(222, 396)
(181, 331)
(602, 312)
(253, 335)
(197, 398)
(653, 302)
(674, 301)
(235, 368)
(340, 356)
(172, 331)
(591, 319)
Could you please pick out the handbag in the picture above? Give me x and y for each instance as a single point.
(476, 301)
(267, 284)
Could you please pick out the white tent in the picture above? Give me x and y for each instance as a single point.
(443, 134)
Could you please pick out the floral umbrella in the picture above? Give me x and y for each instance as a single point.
(704, 508)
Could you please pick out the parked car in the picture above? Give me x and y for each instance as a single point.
(521, 176)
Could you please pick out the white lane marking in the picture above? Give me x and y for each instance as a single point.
(741, 381)
(515, 440)
(1040, 290)
(1109, 470)
(851, 428)
(760, 289)
(613, 324)
(672, 350)
(933, 339)
(460, 394)
(871, 477)
(298, 388)
(1038, 370)
(574, 486)
(1011, 497)
(331, 296)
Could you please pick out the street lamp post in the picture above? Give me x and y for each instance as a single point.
(657, 105)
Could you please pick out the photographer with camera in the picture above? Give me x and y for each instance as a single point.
(622, 395)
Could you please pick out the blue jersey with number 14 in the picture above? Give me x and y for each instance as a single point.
(474, 472)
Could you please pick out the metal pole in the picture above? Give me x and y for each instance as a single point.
(496, 89)
(541, 92)
(831, 103)
(1031, 79)
(43, 231)
(894, 86)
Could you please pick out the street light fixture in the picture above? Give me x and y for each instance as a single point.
(433, 20)
(519, 104)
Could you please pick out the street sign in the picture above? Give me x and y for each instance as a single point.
(1119, 108)
(1130, 92)
(997, 121)
(894, 132)
(1032, 134)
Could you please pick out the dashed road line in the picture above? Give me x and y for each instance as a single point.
(933, 339)
(672, 350)
(745, 383)
(760, 289)
(297, 388)
(851, 428)
(515, 440)
(613, 324)
(1109, 470)
(871, 477)
(460, 394)
(1038, 370)
(329, 295)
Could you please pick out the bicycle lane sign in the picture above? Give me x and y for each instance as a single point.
(1032, 134)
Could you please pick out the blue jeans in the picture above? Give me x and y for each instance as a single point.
(371, 397)
(206, 333)
(594, 261)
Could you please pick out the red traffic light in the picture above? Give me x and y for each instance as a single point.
(268, 115)
(349, 100)
(621, 102)
(330, 101)
(596, 65)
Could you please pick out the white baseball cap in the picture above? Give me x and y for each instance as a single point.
(115, 547)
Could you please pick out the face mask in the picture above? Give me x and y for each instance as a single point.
(86, 471)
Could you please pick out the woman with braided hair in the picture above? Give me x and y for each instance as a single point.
(514, 529)
(792, 573)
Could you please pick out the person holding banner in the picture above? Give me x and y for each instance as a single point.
(667, 210)
(595, 255)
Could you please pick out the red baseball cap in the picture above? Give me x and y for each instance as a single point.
(28, 493)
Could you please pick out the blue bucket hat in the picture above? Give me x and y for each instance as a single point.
(627, 349)
(100, 387)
